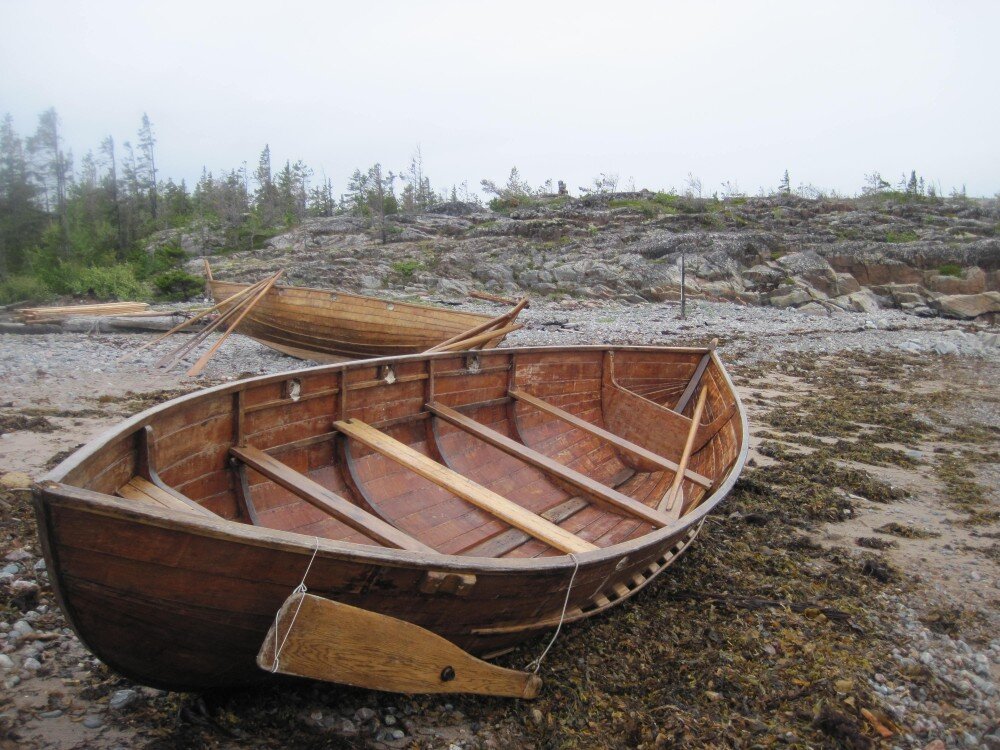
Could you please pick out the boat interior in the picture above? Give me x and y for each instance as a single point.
(498, 454)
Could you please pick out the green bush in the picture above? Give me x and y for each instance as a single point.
(900, 237)
(118, 282)
(406, 268)
(24, 288)
(178, 284)
(951, 269)
(647, 208)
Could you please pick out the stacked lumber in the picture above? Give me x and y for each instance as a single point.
(52, 314)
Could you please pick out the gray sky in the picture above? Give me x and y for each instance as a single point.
(728, 91)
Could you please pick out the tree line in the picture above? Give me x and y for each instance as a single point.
(59, 222)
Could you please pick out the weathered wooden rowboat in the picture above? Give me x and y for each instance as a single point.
(458, 492)
(330, 326)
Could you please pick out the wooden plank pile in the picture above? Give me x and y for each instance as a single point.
(57, 314)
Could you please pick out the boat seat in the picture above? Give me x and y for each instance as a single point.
(463, 487)
(582, 482)
(326, 500)
(144, 491)
(608, 437)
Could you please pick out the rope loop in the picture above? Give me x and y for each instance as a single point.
(536, 665)
(300, 589)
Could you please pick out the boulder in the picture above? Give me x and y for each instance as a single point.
(967, 306)
(812, 269)
(863, 301)
(847, 284)
(15, 480)
(797, 296)
(765, 277)
(813, 308)
(972, 281)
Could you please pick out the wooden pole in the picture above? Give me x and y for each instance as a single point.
(200, 364)
(696, 378)
(481, 338)
(170, 359)
(671, 502)
(497, 321)
(189, 321)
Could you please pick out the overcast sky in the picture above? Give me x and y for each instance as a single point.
(652, 91)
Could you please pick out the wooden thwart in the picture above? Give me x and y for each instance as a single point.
(608, 437)
(327, 500)
(326, 640)
(465, 488)
(582, 482)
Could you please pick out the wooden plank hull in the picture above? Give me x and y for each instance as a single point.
(183, 601)
(328, 326)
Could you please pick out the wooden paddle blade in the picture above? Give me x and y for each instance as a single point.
(339, 643)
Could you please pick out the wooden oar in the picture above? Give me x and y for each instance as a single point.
(672, 501)
(189, 321)
(247, 307)
(325, 640)
(482, 338)
(489, 324)
(167, 361)
(696, 378)
(170, 360)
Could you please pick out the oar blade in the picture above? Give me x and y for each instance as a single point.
(326, 640)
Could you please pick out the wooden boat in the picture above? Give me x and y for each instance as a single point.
(460, 493)
(330, 326)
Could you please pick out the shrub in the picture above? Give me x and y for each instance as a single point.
(951, 269)
(406, 268)
(24, 288)
(117, 282)
(178, 284)
(899, 237)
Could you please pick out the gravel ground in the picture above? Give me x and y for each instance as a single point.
(76, 383)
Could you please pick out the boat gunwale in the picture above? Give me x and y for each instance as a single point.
(51, 485)
(284, 288)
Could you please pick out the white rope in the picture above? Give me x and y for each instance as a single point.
(300, 589)
(537, 663)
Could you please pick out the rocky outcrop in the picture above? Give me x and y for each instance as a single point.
(819, 256)
(968, 306)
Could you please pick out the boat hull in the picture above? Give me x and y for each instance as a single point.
(327, 326)
(182, 601)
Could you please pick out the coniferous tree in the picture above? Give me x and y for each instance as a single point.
(21, 220)
(111, 185)
(266, 195)
(785, 186)
(147, 143)
(53, 170)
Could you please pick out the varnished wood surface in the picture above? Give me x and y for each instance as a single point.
(326, 640)
(184, 601)
(319, 324)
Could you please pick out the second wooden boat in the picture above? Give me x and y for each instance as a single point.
(446, 502)
(323, 325)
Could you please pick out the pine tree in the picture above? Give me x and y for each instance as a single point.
(785, 186)
(21, 221)
(147, 143)
(111, 186)
(266, 195)
(53, 170)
